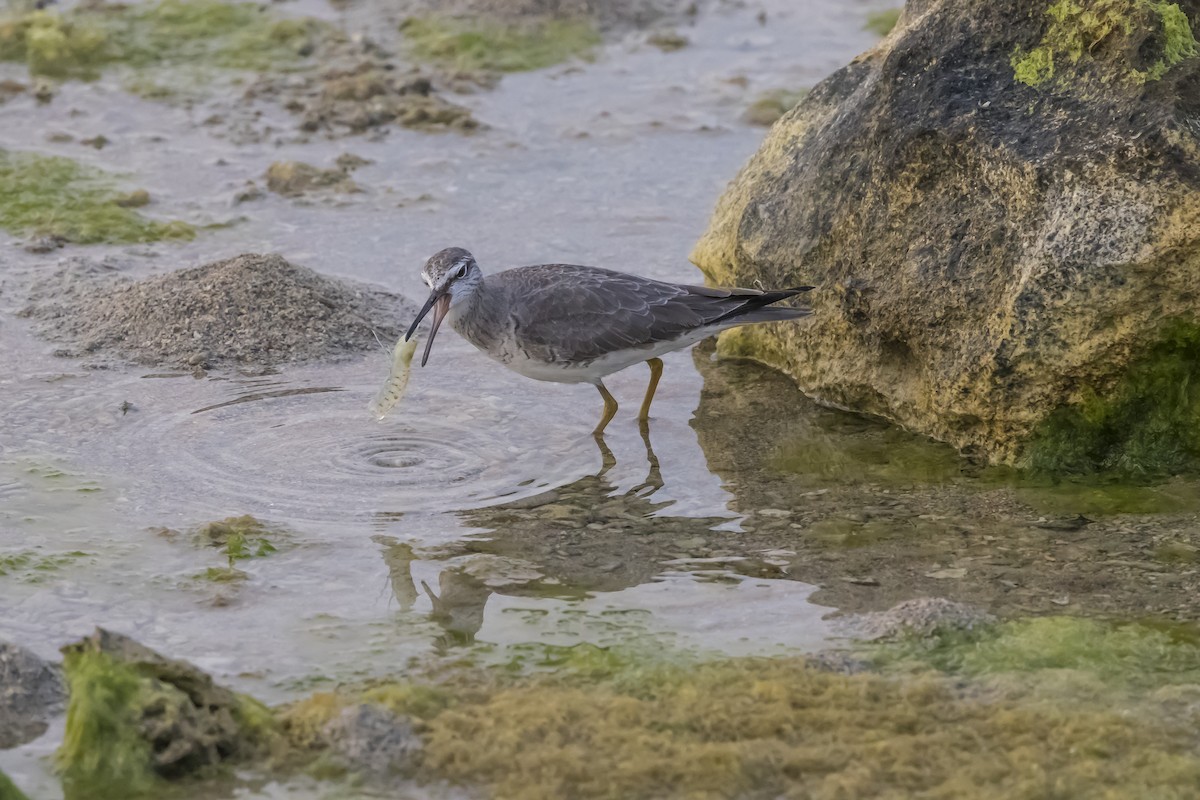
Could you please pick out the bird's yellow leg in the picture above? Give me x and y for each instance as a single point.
(610, 409)
(655, 365)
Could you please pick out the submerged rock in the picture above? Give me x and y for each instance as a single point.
(295, 178)
(251, 311)
(31, 691)
(136, 717)
(372, 738)
(922, 617)
(1000, 207)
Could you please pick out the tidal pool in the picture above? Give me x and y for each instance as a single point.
(480, 522)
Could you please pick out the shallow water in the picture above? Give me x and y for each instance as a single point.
(481, 517)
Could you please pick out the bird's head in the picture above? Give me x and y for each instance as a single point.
(451, 275)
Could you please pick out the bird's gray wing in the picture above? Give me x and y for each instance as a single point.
(564, 312)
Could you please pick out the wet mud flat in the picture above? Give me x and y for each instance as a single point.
(760, 597)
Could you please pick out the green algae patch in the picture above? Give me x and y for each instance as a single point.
(9, 790)
(874, 453)
(1083, 35)
(239, 538)
(53, 45)
(780, 728)
(136, 720)
(481, 46)
(58, 197)
(1119, 655)
(80, 42)
(1100, 498)
(32, 566)
(881, 22)
(1146, 427)
(103, 747)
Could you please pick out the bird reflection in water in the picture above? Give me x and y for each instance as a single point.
(565, 543)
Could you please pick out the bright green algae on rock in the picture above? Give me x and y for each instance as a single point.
(79, 42)
(1146, 427)
(136, 720)
(1078, 29)
(53, 196)
(102, 747)
(476, 46)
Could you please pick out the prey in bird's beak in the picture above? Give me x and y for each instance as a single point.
(440, 303)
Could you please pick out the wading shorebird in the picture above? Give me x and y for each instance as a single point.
(572, 324)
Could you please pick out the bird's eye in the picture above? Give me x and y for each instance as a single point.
(462, 272)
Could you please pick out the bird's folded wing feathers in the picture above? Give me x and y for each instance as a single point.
(573, 313)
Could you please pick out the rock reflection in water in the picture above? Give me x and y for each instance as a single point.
(876, 516)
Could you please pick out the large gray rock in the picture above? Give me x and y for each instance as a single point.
(31, 692)
(1000, 205)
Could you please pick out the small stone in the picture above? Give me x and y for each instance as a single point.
(954, 573)
(99, 141)
(778, 513)
(135, 199)
(668, 41)
(31, 691)
(44, 244)
(374, 739)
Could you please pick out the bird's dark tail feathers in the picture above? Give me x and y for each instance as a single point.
(755, 309)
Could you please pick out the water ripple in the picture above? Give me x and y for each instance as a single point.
(313, 453)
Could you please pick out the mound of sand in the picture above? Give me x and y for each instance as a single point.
(252, 311)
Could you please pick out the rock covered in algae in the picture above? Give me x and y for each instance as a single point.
(135, 718)
(1000, 206)
(31, 690)
(250, 311)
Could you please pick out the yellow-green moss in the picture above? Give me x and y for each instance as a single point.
(8, 790)
(53, 45)
(882, 22)
(778, 728)
(51, 196)
(488, 46)
(1145, 427)
(1080, 30)
(79, 42)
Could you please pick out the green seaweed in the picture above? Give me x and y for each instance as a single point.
(1146, 427)
(1080, 31)
(103, 750)
(882, 22)
(137, 721)
(240, 538)
(78, 43)
(474, 46)
(58, 197)
(30, 566)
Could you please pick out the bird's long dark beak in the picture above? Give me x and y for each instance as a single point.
(440, 303)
